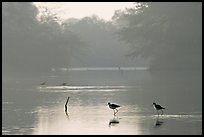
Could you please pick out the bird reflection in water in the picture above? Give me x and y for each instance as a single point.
(158, 122)
(113, 121)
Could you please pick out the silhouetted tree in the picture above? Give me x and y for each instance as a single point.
(103, 47)
(31, 45)
(167, 32)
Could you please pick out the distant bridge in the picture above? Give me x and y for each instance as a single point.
(109, 68)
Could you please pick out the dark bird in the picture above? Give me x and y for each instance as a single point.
(43, 83)
(113, 106)
(158, 107)
(63, 84)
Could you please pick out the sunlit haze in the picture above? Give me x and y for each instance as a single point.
(101, 68)
(65, 10)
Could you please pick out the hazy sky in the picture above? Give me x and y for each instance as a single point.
(104, 10)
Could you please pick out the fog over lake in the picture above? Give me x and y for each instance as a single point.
(58, 76)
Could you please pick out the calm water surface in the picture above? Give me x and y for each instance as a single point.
(28, 108)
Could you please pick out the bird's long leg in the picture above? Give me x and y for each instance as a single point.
(116, 111)
(157, 117)
(162, 112)
(158, 112)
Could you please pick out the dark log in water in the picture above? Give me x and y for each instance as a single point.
(66, 105)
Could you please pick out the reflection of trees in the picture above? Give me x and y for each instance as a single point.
(169, 33)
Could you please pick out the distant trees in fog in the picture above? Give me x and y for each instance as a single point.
(31, 45)
(167, 32)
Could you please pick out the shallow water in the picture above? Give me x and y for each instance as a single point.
(28, 108)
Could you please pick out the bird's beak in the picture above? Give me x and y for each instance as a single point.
(106, 104)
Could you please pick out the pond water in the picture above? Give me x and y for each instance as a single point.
(29, 108)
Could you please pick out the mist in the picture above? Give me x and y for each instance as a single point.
(153, 51)
(158, 36)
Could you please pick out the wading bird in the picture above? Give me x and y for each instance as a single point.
(113, 106)
(43, 83)
(63, 84)
(158, 107)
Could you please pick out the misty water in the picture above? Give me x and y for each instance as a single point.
(31, 108)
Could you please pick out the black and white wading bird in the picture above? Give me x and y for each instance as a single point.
(114, 107)
(158, 108)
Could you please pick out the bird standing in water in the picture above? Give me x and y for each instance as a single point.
(158, 107)
(43, 83)
(113, 106)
